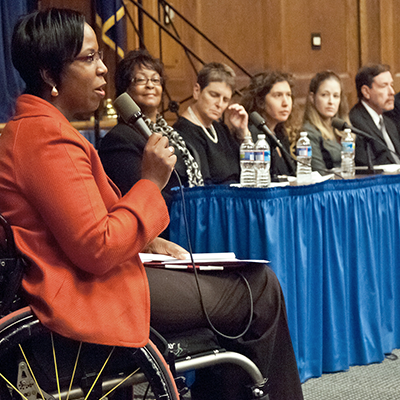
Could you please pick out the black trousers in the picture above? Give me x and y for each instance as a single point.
(176, 307)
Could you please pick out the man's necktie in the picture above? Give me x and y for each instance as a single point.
(387, 139)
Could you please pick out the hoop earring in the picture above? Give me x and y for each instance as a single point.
(54, 91)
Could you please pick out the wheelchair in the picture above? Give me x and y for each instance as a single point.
(36, 363)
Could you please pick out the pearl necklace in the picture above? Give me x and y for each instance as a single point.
(213, 136)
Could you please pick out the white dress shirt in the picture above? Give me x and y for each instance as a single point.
(379, 122)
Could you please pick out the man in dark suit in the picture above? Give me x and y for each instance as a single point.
(394, 114)
(375, 92)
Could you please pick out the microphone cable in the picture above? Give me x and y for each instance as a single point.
(213, 328)
(132, 116)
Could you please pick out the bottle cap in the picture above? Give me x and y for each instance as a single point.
(261, 136)
(303, 133)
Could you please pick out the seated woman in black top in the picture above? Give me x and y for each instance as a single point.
(121, 150)
(270, 94)
(200, 124)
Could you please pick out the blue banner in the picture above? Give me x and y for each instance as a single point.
(110, 19)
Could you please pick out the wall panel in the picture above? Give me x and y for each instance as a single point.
(390, 34)
(274, 34)
(84, 6)
(277, 34)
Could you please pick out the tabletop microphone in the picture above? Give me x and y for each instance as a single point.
(341, 125)
(131, 114)
(259, 122)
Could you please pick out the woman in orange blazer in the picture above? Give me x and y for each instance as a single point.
(85, 279)
(83, 239)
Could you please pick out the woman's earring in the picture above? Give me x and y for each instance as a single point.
(54, 91)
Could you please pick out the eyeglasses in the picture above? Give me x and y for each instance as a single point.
(156, 81)
(92, 57)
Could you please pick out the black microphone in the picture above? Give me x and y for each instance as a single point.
(341, 125)
(131, 114)
(259, 123)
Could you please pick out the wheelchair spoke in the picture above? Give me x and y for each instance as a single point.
(98, 375)
(63, 369)
(74, 371)
(32, 374)
(55, 365)
(119, 384)
(9, 383)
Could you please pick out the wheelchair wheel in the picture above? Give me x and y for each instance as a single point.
(38, 364)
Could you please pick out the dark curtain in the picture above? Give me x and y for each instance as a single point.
(10, 82)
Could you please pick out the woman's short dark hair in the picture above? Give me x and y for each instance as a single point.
(125, 68)
(46, 41)
(216, 72)
(260, 85)
(366, 75)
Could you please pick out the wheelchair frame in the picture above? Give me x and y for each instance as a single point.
(22, 326)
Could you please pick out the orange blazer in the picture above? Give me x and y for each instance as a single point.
(86, 280)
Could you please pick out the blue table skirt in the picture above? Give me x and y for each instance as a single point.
(335, 247)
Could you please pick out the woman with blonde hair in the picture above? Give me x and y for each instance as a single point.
(325, 101)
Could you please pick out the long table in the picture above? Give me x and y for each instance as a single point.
(335, 247)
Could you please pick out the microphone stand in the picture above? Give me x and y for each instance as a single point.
(370, 165)
(342, 125)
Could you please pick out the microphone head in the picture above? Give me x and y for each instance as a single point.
(127, 108)
(339, 124)
(256, 119)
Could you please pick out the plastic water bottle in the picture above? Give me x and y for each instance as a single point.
(247, 169)
(348, 151)
(262, 156)
(303, 153)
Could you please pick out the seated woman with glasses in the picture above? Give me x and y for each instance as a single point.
(201, 127)
(121, 150)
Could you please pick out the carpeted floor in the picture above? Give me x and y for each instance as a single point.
(375, 381)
